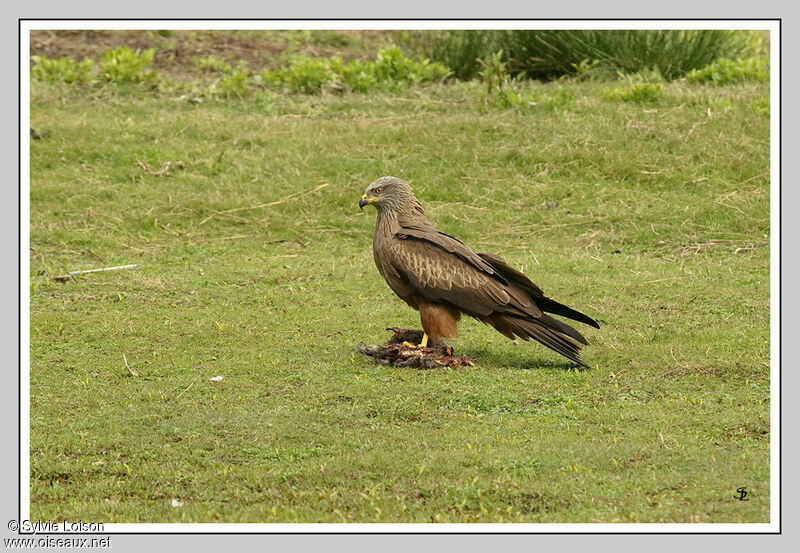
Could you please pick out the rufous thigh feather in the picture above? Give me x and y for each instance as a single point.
(439, 320)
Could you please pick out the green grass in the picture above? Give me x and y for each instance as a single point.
(651, 216)
(549, 54)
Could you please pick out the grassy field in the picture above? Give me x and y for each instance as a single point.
(255, 264)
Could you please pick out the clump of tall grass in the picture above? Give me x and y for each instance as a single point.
(761, 105)
(125, 65)
(122, 65)
(634, 92)
(544, 54)
(506, 92)
(390, 69)
(62, 70)
(725, 71)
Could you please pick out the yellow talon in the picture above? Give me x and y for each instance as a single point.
(421, 345)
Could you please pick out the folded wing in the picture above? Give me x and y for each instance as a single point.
(441, 269)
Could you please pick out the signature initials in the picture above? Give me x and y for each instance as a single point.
(741, 494)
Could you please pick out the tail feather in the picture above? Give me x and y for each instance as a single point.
(554, 340)
(540, 331)
(536, 324)
(544, 303)
(562, 327)
(552, 306)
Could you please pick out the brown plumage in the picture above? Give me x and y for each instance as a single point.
(441, 277)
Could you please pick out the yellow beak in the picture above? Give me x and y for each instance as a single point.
(364, 201)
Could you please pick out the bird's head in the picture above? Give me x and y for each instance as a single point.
(389, 193)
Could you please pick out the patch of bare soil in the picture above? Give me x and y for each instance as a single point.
(176, 50)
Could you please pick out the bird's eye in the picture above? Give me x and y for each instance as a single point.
(378, 190)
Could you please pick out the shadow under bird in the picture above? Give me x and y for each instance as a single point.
(442, 278)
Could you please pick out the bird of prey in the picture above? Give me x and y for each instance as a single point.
(442, 278)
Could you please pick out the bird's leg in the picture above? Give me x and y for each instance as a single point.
(422, 344)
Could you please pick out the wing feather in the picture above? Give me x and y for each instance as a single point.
(423, 230)
(519, 280)
(440, 275)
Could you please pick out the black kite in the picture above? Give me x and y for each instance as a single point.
(442, 278)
